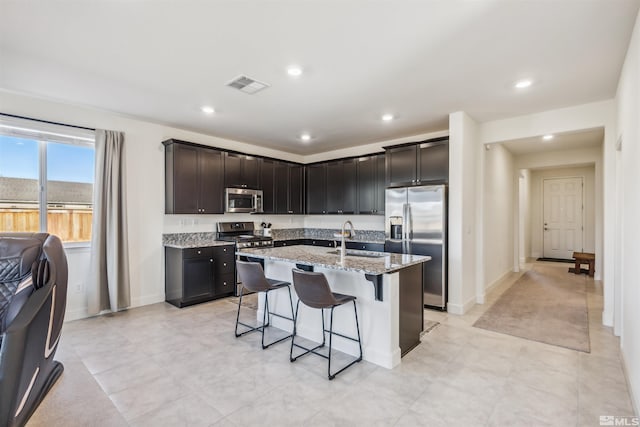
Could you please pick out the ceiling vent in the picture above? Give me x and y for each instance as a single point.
(247, 85)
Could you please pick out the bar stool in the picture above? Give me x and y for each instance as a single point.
(253, 279)
(313, 290)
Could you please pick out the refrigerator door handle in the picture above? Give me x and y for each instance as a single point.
(405, 224)
(409, 223)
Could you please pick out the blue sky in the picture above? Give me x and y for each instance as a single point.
(65, 162)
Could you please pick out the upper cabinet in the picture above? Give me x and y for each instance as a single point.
(316, 190)
(288, 188)
(371, 184)
(267, 185)
(193, 179)
(341, 187)
(418, 164)
(241, 170)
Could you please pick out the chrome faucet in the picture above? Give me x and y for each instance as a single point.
(352, 233)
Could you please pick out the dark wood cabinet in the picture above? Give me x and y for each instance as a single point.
(288, 178)
(194, 275)
(341, 187)
(371, 185)
(288, 242)
(241, 170)
(316, 188)
(433, 162)
(365, 246)
(267, 170)
(296, 188)
(224, 270)
(421, 163)
(193, 179)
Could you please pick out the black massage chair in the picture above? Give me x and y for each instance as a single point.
(33, 297)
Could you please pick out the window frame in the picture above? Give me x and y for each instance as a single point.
(43, 133)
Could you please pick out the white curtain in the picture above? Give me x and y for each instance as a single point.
(108, 285)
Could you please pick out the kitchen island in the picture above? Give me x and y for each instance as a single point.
(388, 288)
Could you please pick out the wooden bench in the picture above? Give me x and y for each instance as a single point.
(585, 258)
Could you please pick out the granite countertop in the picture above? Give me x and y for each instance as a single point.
(363, 236)
(358, 261)
(192, 240)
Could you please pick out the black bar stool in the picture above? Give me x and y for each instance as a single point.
(313, 290)
(253, 279)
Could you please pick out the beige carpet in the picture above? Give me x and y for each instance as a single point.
(546, 304)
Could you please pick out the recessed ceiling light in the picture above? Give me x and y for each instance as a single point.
(387, 117)
(294, 71)
(208, 110)
(547, 137)
(305, 137)
(521, 84)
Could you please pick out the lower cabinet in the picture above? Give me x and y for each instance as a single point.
(374, 247)
(194, 275)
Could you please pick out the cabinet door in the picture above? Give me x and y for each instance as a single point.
(401, 165)
(232, 170)
(349, 186)
(296, 185)
(250, 171)
(434, 162)
(198, 278)
(341, 186)
(316, 187)
(367, 185)
(281, 177)
(335, 187)
(210, 173)
(380, 184)
(185, 179)
(266, 185)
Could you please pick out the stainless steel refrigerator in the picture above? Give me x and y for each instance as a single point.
(416, 223)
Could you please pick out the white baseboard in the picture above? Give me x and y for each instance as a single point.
(147, 300)
(461, 308)
(81, 313)
(607, 318)
(634, 400)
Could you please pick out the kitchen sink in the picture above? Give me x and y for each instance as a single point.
(357, 253)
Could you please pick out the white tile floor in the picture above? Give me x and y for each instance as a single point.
(161, 366)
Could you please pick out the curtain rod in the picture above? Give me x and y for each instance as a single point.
(47, 121)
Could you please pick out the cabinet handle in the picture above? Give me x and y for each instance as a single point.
(224, 250)
(210, 259)
(199, 252)
(290, 211)
(224, 264)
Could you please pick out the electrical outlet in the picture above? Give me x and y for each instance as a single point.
(78, 288)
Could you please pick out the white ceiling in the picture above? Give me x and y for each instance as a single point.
(420, 60)
(563, 141)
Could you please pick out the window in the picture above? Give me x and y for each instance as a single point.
(46, 179)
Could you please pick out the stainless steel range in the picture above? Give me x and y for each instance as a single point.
(242, 233)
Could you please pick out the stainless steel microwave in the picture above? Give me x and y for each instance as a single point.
(237, 200)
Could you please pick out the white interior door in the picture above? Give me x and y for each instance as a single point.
(562, 217)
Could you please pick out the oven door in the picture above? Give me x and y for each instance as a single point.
(238, 200)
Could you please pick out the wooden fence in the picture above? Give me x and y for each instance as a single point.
(71, 225)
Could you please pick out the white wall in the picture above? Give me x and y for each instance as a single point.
(499, 177)
(524, 219)
(628, 104)
(537, 178)
(463, 187)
